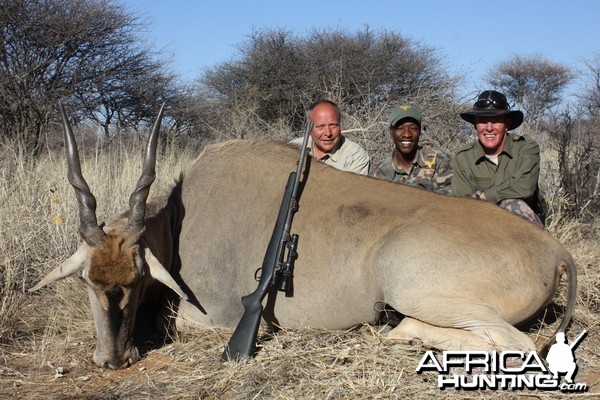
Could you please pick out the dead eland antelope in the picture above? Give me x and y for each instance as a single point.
(463, 272)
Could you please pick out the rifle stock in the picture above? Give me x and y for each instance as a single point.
(243, 341)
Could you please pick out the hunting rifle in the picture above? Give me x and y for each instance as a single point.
(274, 271)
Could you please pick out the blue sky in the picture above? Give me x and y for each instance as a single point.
(472, 36)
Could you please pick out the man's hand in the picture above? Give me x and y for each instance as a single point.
(478, 196)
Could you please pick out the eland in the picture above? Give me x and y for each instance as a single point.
(463, 273)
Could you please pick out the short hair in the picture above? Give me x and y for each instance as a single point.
(324, 101)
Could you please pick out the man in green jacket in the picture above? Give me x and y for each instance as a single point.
(499, 167)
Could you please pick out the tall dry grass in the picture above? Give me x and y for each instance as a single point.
(47, 338)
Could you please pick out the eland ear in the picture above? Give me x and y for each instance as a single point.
(67, 268)
(158, 272)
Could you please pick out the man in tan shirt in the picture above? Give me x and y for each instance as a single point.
(327, 144)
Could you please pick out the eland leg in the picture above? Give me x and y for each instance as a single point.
(485, 336)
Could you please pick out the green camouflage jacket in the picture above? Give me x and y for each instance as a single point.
(431, 170)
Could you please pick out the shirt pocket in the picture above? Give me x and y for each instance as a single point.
(482, 182)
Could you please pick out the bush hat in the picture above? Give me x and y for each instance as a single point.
(400, 112)
(491, 104)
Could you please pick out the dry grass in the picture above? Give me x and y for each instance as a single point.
(47, 339)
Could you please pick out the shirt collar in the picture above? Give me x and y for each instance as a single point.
(508, 150)
(419, 161)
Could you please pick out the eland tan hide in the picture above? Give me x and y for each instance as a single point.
(463, 272)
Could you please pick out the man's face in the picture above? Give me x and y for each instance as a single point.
(491, 132)
(326, 130)
(405, 135)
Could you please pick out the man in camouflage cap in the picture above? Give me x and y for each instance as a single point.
(411, 163)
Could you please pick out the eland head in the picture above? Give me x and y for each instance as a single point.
(115, 263)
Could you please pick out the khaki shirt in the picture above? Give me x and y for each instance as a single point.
(515, 176)
(431, 170)
(347, 155)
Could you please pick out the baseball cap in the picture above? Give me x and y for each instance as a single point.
(406, 111)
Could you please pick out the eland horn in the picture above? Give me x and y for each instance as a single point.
(88, 224)
(137, 201)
